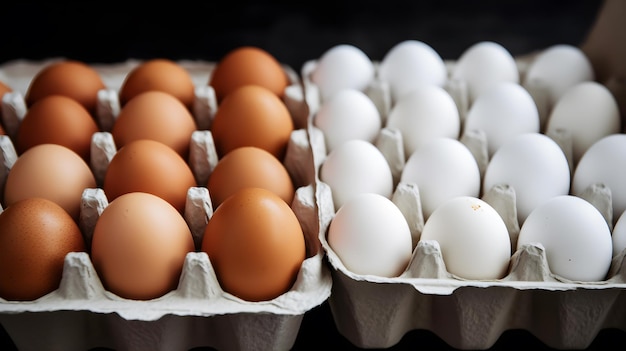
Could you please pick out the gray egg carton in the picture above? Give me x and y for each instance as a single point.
(377, 312)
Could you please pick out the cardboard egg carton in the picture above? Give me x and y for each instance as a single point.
(377, 312)
(81, 314)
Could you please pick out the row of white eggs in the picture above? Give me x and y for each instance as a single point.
(531, 164)
(499, 104)
(513, 150)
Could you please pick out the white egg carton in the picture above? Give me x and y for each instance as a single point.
(376, 312)
(81, 314)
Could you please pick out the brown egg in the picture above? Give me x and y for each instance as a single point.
(252, 116)
(248, 65)
(158, 116)
(152, 167)
(3, 90)
(249, 166)
(73, 79)
(139, 246)
(255, 244)
(49, 171)
(35, 236)
(57, 119)
(161, 75)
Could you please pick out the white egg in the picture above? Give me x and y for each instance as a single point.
(502, 112)
(484, 64)
(473, 238)
(426, 113)
(355, 167)
(410, 64)
(575, 235)
(347, 115)
(442, 169)
(618, 235)
(342, 66)
(558, 68)
(534, 165)
(371, 236)
(604, 162)
(587, 112)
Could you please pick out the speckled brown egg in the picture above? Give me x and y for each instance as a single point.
(162, 75)
(35, 236)
(70, 78)
(57, 119)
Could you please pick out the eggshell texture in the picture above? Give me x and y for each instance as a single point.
(371, 236)
(57, 119)
(70, 78)
(139, 246)
(249, 166)
(442, 168)
(558, 68)
(255, 244)
(575, 236)
(152, 167)
(502, 112)
(473, 238)
(252, 116)
(410, 64)
(162, 75)
(425, 113)
(587, 111)
(355, 167)
(49, 171)
(347, 115)
(158, 116)
(35, 236)
(532, 164)
(341, 67)
(604, 163)
(484, 64)
(248, 65)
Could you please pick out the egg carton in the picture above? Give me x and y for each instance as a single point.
(81, 314)
(377, 312)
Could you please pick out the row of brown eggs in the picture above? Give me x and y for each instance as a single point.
(253, 238)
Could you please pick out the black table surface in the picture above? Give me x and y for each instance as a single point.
(295, 32)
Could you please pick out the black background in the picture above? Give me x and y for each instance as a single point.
(292, 31)
(295, 32)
